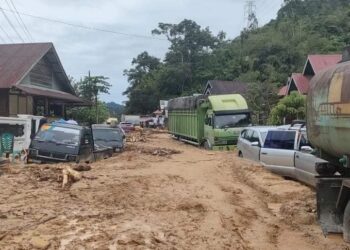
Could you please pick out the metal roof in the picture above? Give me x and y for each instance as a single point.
(16, 61)
(301, 82)
(218, 87)
(321, 62)
(283, 91)
(51, 93)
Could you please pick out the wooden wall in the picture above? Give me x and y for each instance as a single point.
(4, 103)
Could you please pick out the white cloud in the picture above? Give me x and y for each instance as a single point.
(109, 54)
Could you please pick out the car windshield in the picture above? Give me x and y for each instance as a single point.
(107, 134)
(231, 121)
(59, 135)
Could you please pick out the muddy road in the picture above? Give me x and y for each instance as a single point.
(159, 194)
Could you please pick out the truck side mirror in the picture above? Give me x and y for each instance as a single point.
(255, 144)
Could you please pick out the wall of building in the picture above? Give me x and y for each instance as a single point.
(4, 103)
(19, 104)
(42, 76)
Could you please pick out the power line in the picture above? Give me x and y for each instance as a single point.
(86, 27)
(7, 34)
(20, 21)
(11, 24)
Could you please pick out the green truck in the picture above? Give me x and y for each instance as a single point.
(213, 122)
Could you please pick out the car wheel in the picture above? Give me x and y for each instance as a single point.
(346, 223)
(240, 155)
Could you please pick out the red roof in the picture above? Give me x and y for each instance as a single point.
(301, 82)
(321, 62)
(283, 91)
(16, 60)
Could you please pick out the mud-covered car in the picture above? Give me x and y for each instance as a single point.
(107, 136)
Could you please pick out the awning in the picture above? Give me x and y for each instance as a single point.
(55, 94)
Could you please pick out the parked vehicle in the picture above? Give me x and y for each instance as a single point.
(107, 136)
(328, 115)
(250, 141)
(127, 127)
(23, 128)
(133, 119)
(62, 142)
(213, 121)
(284, 150)
(288, 152)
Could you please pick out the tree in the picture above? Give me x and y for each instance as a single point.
(261, 98)
(87, 115)
(291, 107)
(90, 87)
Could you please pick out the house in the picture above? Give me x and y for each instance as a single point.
(217, 87)
(33, 81)
(314, 64)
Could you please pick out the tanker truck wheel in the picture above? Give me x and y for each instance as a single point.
(346, 223)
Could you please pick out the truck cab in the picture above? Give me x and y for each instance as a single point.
(224, 120)
(60, 142)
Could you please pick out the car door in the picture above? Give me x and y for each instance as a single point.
(241, 141)
(247, 153)
(305, 163)
(278, 152)
(255, 150)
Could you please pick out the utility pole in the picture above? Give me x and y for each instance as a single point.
(250, 15)
(95, 90)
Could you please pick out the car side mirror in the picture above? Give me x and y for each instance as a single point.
(255, 144)
(306, 149)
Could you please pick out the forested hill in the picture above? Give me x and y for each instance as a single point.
(264, 57)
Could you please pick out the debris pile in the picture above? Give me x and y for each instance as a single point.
(164, 152)
(137, 136)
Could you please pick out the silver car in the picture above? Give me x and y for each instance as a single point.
(250, 141)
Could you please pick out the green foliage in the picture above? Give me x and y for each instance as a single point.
(261, 98)
(87, 115)
(265, 56)
(91, 86)
(289, 108)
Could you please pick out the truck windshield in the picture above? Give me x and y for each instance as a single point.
(231, 121)
(107, 135)
(59, 135)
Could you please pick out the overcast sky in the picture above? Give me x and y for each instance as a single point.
(81, 50)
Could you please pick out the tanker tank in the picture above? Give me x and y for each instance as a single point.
(328, 112)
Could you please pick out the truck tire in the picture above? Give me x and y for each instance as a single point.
(240, 154)
(206, 145)
(346, 223)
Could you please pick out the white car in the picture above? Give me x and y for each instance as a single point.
(250, 141)
(283, 150)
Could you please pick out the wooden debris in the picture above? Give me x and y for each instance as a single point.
(70, 176)
(82, 167)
